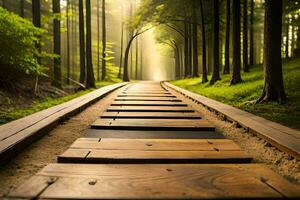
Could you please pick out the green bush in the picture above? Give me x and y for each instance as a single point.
(18, 53)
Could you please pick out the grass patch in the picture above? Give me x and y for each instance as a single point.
(36, 106)
(251, 89)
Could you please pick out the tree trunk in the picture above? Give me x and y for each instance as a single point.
(136, 57)
(216, 69)
(287, 40)
(273, 86)
(204, 69)
(57, 48)
(90, 80)
(186, 49)
(141, 57)
(236, 57)
(103, 41)
(121, 56)
(22, 11)
(177, 61)
(190, 48)
(125, 75)
(195, 42)
(245, 37)
(227, 39)
(36, 13)
(251, 49)
(68, 42)
(36, 20)
(82, 78)
(98, 40)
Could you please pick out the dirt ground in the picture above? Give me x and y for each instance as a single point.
(259, 149)
(46, 150)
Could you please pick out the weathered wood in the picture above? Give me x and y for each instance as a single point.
(147, 99)
(150, 115)
(156, 181)
(148, 109)
(145, 92)
(147, 95)
(18, 134)
(282, 137)
(156, 144)
(144, 134)
(143, 157)
(104, 150)
(147, 103)
(154, 124)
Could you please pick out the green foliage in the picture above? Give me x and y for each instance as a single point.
(18, 52)
(13, 114)
(239, 95)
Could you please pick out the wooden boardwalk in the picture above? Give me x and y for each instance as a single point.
(151, 145)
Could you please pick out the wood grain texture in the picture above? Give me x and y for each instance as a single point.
(148, 99)
(157, 181)
(150, 115)
(156, 144)
(148, 109)
(154, 124)
(105, 150)
(147, 95)
(148, 103)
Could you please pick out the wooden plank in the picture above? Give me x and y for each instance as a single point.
(154, 124)
(147, 95)
(144, 134)
(145, 92)
(151, 115)
(148, 109)
(156, 144)
(157, 181)
(282, 137)
(147, 103)
(147, 99)
(143, 157)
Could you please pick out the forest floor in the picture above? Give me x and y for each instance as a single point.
(250, 89)
(22, 101)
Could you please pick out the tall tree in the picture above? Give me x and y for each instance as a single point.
(195, 40)
(36, 19)
(245, 36)
(236, 29)
(136, 57)
(216, 69)
(227, 39)
(251, 45)
(204, 68)
(68, 41)
(90, 79)
(103, 41)
(82, 78)
(36, 13)
(121, 53)
(57, 42)
(98, 40)
(22, 10)
(273, 82)
(287, 38)
(186, 48)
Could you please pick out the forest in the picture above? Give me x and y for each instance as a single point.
(240, 52)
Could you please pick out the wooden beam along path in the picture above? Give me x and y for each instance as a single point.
(165, 167)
